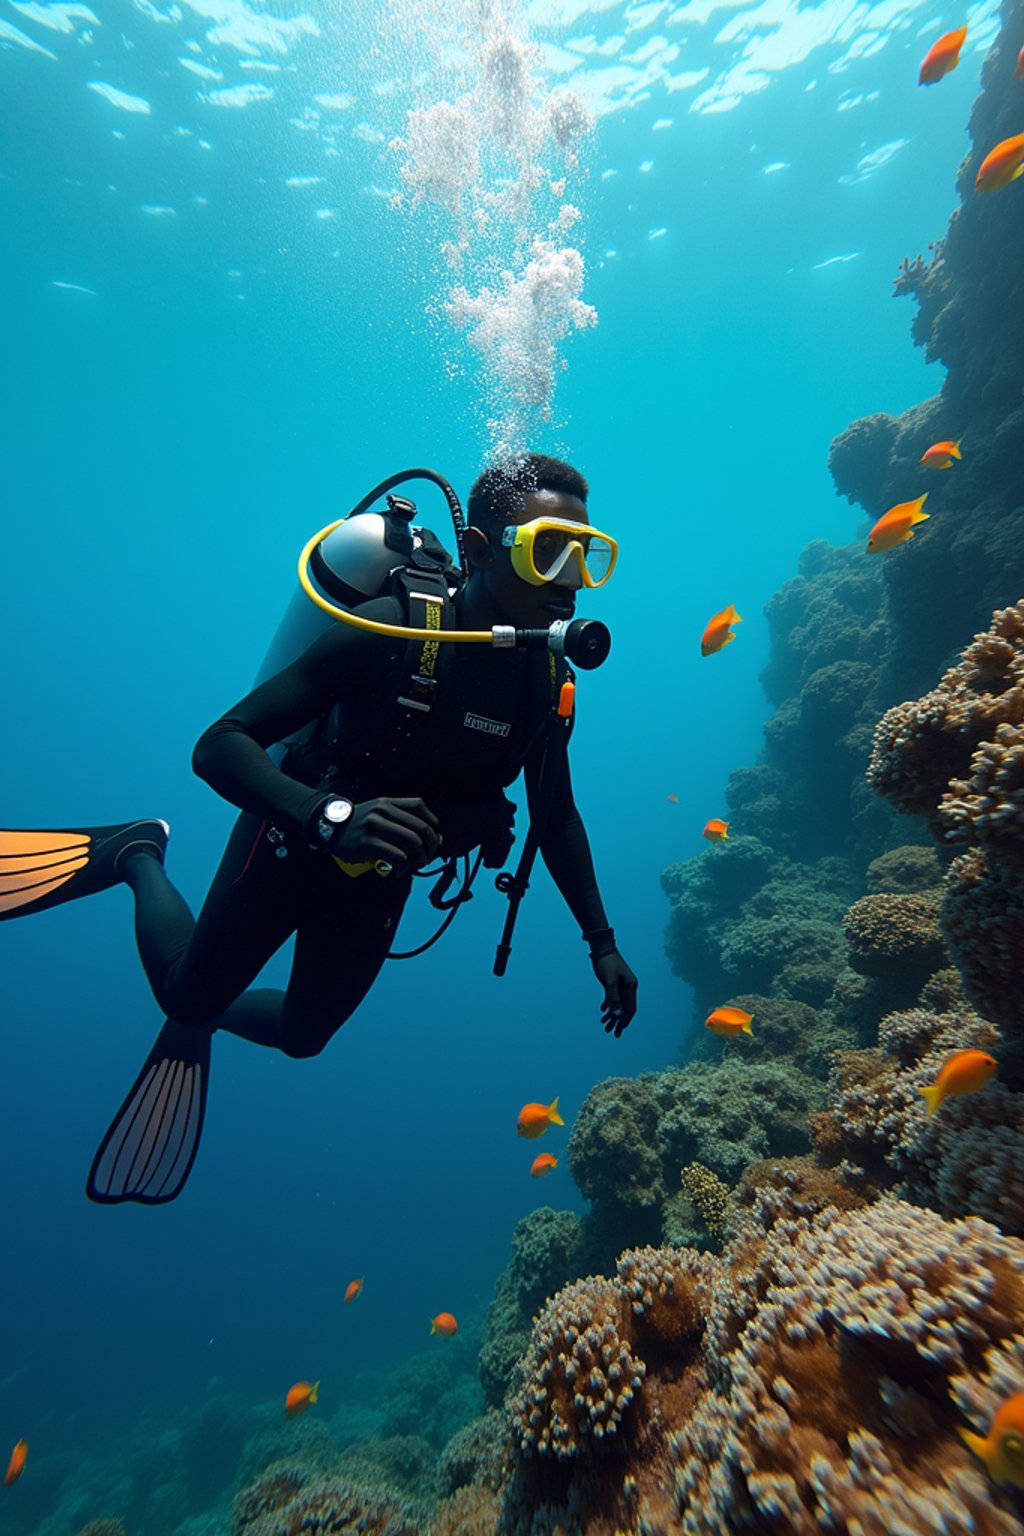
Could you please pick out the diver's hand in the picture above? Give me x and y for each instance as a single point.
(620, 985)
(403, 833)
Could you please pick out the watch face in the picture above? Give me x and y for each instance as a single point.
(337, 811)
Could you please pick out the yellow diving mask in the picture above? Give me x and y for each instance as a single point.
(553, 549)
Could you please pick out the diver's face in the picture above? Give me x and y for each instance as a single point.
(526, 605)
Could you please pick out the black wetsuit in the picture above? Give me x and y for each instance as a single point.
(485, 727)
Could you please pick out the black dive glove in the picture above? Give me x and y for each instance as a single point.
(403, 833)
(615, 976)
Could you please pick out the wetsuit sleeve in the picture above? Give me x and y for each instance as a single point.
(231, 755)
(565, 849)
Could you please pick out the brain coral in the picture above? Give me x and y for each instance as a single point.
(896, 937)
(905, 871)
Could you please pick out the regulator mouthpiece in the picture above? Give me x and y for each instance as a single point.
(586, 642)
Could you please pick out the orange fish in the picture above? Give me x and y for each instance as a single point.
(16, 1465)
(729, 1022)
(1002, 1449)
(716, 831)
(299, 1398)
(444, 1323)
(963, 1072)
(672, 799)
(1002, 165)
(941, 455)
(1018, 73)
(534, 1119)
(942, 57)
(718, 634)
(353, 1289)
(897, 525)
(543, 1165)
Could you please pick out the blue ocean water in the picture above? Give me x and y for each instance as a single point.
(198, 371)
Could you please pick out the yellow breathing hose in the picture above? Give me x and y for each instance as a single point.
(402, 631)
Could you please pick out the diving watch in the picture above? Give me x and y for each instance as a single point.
(333, 814)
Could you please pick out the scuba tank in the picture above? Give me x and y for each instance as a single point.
(353, 561)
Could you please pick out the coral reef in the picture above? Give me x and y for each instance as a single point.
(839, 1351)
(788, 1188)
(103, 1528)
(545, 1254)
(956, 756)
(474, 1454)
(813, 1378)
(966, 1158)
(288, 1500)
(471, 1511)
(896, 937)
(906, 871)
(632, 1137)
(852, 636)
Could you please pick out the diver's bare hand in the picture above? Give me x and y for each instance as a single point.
(402, 832)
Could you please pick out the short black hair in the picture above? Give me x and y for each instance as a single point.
(496, 496)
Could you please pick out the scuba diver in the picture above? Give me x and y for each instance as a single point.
(354, 765)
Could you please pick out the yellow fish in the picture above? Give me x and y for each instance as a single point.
(963, 1072)
(1001, 165)
(941, 455)
(897, 525)
(729, 1022)
(1002, 1449)
(718, 634)
(534, 1119)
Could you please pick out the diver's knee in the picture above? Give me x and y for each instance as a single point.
(192, 1012)
(304, 1047)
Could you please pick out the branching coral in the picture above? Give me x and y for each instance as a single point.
(921, 745)
(582, 1376)
(842, 1352)
(957, 756)
(788, 1188)
(729, 1115)
(813, 1379)
(968, 1157)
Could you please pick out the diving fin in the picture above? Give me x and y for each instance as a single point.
(148, 1152)
(43, 869)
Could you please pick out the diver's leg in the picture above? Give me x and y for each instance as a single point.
(197, 969)
(339, 952)
(43, 869)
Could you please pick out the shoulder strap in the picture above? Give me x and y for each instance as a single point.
(424, 592)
